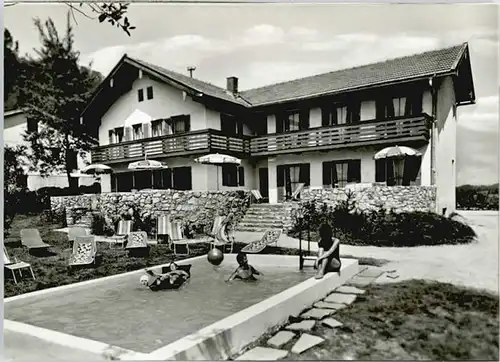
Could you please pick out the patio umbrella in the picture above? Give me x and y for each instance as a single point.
(147, 165)
(218, 159)
(96, 169)
(396, 152)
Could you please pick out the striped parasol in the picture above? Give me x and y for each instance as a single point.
(218, 159)
(396, 152)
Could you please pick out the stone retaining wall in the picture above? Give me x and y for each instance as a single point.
(195, 207)
(397, 198)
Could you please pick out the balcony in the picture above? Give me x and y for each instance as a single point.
(408, 129)
(196, 142)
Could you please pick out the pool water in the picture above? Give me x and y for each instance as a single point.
(124, 313)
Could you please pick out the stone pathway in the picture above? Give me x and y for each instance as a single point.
(298, 335)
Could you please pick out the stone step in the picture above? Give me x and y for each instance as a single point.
(254, 229)
(263, 217)
(261, 223)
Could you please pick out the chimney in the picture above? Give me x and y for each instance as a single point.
(232, 85)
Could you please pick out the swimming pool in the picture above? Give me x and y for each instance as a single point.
(121, 312)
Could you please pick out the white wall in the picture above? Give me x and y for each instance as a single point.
(167, 102)
(446, 146)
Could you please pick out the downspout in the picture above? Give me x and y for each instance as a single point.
(433, 134)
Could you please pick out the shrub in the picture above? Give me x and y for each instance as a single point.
(385, 228)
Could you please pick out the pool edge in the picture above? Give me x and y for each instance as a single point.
(228, 336)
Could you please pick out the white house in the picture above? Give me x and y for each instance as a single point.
(15, 126)
(322, 131)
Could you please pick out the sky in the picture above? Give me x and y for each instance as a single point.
(266, 43)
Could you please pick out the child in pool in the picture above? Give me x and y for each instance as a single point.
(173, 279)
(244, 271)
(328, 261)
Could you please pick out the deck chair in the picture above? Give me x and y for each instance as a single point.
(295, 195)
(271, 236)
(257, 195)
(15, 265)
(74, 231)
(32, 240)
(224, 239)
(177, 238)
(218, 223)
(122, 231)
(84, 251)
(163, 228)
(137, 240)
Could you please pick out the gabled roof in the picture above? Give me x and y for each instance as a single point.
(412, 67)
(436, 62)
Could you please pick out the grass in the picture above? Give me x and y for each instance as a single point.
(411, 320)
(52, 271)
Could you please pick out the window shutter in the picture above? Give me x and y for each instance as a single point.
(188, 178)
(280, 176)
(187, 123)
(140, 95)
(304, 119)
(111, 135)
(354, 171)
(167, 178)
(380, 170)
(127, 135)
(241, 176)
(279, 122)
(225, 175)
(146, 130)
(327, 173)
(305, 174)
(325, 116)
(149, 91)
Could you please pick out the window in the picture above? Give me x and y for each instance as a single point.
(408, 105)
(140, 95)
(290, 176)
(118, 135)
(111, 134)
(137, 133)
(159, 127)
(32, 125)
(233, 175)
(397, 172)
(229, 125)
(341, 114)
(399, 105)
(181, 124)
(181, 178)
(149, 91)
(340, 173)
(292, 121)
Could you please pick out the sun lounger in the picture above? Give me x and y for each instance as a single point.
(137, 240)
(224, 239)
(177, 238)
(218, 222)
(32, 240)
(15, 265)
(295, 195)
(271, 236)
(123, 230)
(163, 228)
(257, 195)
(84, 251)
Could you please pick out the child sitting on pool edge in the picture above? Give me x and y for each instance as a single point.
(244, 271)
(328, 261)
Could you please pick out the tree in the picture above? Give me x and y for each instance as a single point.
(14, 181)
(113, 13)
(57, 89)
(12, 70)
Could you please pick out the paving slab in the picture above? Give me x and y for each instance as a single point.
(281, 338)
(305, 342)
(263, 354)
(329, 305)
(302, 326)
(358, 281)
(371, 271)
(341, 298)
(348, 289)
(331, 322)
(317, 313)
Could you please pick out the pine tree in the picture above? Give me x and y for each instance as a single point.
(57, 88)
(12, 71)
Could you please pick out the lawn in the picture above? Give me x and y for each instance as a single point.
(411, 320)
(52, 271)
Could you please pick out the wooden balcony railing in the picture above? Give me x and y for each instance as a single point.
(195, 142)
(340, 136)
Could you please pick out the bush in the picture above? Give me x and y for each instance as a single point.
(385, 228)
(470, 197)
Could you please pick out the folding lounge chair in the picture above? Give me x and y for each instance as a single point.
(271, 236)
(218, 223)
(297, 192)
(32, 240)
(123, 230)
(257, 195)
(84, 251)
(163, 228)
(15, 265)
(224, 239)
(137, 240)
(177, 238)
